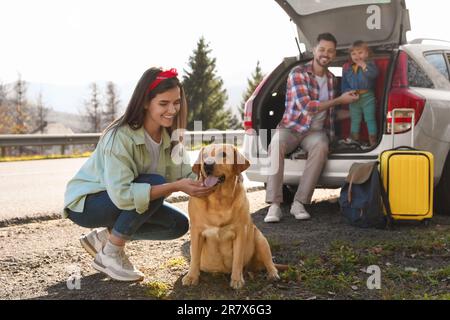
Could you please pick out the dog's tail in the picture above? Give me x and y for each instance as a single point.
(281, 267)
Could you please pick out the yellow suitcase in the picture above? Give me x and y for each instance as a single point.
(407, 176)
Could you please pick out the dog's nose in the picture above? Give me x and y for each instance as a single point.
(209, 166)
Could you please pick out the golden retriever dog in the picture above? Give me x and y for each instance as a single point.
(223, 236)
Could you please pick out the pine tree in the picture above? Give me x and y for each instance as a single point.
(235, 123)
(252, 83)
(205, 94)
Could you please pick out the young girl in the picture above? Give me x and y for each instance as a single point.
(360, 76)
(122, 186)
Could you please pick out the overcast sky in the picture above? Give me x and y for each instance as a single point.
(81, 41)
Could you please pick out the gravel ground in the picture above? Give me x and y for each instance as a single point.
(37, 258)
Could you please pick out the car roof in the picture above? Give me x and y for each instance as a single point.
(416, 48)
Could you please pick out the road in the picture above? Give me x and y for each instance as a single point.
(36, 188)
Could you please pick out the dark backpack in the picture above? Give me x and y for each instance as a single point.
(362, 197)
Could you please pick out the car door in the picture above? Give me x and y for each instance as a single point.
(434, 126)
(377, 22)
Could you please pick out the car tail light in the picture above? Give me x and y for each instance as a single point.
(401, 96)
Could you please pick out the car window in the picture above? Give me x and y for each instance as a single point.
(438, 61)
(305, 7)
(447, 55)
(417, 77)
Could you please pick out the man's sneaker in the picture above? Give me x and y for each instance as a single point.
(350, 141)
(366, 146)
(274, 214)
(94, 241)
(117, 266)
(299, 211)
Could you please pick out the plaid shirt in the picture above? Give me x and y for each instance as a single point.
(302, 100)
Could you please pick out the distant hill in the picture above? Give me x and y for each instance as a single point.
(66, 102)
(70, 98)
(70, 120)
(67, 98)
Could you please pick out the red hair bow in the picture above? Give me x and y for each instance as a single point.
(163, 75)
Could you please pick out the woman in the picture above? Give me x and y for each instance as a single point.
(122, 185)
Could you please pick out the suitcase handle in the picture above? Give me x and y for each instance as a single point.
(413, 123)
(404, 148)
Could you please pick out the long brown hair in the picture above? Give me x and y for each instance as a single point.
(135, 113)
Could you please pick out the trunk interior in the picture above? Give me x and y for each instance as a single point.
(270, 109)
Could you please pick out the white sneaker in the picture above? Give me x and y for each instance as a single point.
(94, 241)
(274, 214)
(117, 266)
(299, 211)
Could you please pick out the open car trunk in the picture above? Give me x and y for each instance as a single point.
(270, 108)
(380, 23)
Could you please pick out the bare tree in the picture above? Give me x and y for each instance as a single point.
(21, 108)
(6, 111)
(93, 110)
(41, 114)
(112, 104)
(3, 93)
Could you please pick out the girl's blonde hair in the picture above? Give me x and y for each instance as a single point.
(359, 44)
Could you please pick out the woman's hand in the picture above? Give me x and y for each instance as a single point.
(194, 188)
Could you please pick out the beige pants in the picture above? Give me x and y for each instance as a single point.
(315, 143)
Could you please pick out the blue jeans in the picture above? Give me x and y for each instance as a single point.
(161, 221)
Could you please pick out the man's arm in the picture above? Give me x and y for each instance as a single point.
(325, 105)
(299, 96)
(345, 98)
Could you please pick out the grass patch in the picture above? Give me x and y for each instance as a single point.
(274, 243)
(291, 274)
(320, 277)
(444, 296)
(343, 257)
(44, 157)
(339, 271)
(416, 242)
(157, 289)
(177, 262)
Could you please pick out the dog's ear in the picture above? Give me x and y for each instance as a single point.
(197, 164)
(241, 163)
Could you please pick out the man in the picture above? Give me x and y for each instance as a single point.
(308, 122)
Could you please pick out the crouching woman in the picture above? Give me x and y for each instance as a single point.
(120, 189)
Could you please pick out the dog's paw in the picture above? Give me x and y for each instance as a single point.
(189, 280)
(237, 284)
(273, 276)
